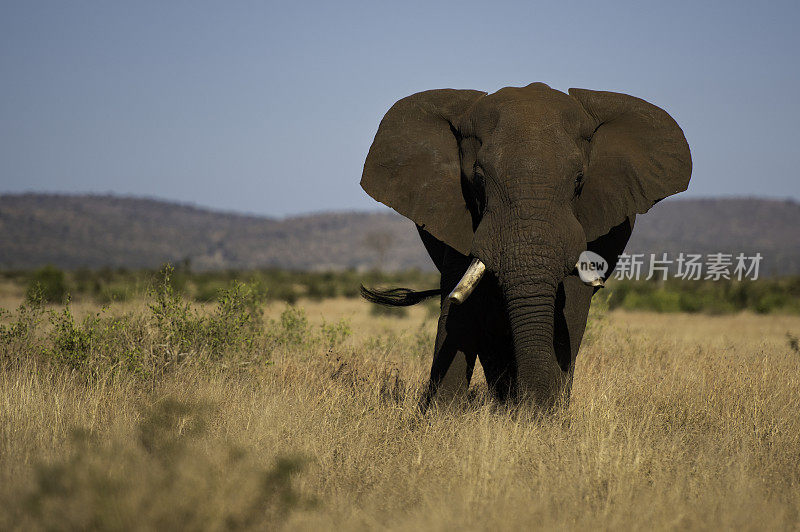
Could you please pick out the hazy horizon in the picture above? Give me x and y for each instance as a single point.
(270, 109)
(376, 208)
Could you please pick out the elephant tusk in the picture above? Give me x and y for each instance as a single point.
(596, 282)
(468, 282)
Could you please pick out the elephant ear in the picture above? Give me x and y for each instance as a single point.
(637, 157)
(413, 165)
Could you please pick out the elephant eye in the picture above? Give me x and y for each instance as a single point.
(578, 184)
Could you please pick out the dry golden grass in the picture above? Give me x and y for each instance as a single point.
(676, 421)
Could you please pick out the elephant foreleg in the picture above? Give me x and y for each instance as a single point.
(451, 370)
(571, 311)
(498, 366)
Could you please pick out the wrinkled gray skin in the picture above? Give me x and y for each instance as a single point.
(524, 179)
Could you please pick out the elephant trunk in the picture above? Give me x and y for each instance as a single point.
(530, 295)
(533, 249)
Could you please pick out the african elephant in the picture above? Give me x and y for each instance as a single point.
(507, 189)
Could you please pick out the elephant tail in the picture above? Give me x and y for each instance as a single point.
(398, 297)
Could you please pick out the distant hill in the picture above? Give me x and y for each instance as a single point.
(73, 231)
(742, 225)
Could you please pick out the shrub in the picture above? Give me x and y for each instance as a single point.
(144, 344)
(335, 334)
(71, 343)
(18, 337)
(180, 327)
(208, 291)
(292, 329)
(719, 297)
(770, 302)
(319, 289)
(49, 284)
(238, 318)
(170, 333)
(235, 323)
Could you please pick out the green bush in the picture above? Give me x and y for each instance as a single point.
(236, 321)
(71, 342)
(768, 295)
(293, 327)
(171, 333)
(318, 289)
(18, 330)
(334, 334)
(769, 302)
(238, 318)
(208, 291)
(107, 285)
(112, 293)
(49, 283)
(168, 334)
(719, 297)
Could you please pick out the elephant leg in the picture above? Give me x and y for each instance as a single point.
(451, 370)
(569, 323)
(497, 361)
(454, 354)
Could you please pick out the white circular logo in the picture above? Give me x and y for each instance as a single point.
(591, 267)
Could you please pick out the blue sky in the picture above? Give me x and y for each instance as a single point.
(270, 107)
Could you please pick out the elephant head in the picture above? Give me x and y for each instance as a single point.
(523, 180)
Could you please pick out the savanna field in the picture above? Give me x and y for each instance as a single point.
(174, 401)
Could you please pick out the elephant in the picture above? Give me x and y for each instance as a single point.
(507, 190)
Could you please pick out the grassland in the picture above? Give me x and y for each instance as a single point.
(154, 413)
